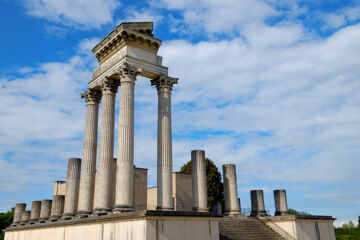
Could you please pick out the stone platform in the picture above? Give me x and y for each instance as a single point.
(142, 225)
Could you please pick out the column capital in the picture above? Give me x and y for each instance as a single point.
(91, 96)
(128, 73)
(109, 86)
(164, 82)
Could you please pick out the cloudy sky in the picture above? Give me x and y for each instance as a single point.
(272, 86)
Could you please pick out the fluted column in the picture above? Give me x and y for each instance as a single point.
(88, 166)
(198, 168)
(35, 211)
(281, 207)
(125, 151)
(232, 205)
(72, 187)
(45, 210)
(25, 216)
(19, 209)
(106, 148)
(164, 86)
(257, 203)
(57, 207)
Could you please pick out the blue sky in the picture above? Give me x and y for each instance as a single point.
(272, 86)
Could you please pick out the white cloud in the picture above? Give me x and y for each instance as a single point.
(339, 18)
(80, 13)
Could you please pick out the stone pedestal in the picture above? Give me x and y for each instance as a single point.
(281, 207)
(230, 190)
(57, 208)
(88, 166)
(45, 210)
(25, 216)
(106, 148)
(35, 211)
(199, 181)
(125, 151)
(164, 86)
(72, 187)
(257, 203)
(19, 209)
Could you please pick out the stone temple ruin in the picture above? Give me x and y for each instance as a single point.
(113, 201)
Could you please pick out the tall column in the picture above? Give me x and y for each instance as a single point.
(230, 190)
(88, 166)
(45, 210)
(35, 211)
(19, 209)
(125, 151)
(164, 86)
(72, 187)
(257, 203)
(106, 148)
(57, 207)
(198, 166)
(281, 207)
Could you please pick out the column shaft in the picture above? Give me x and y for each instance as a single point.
(125, 151)
(232, 205)
(57, 208)
(281, 207)
(164, 143)
(88, 167)
(35, 211)
(72, 186)
(257, 203)
(45, 210)
(106, 148)
(25, 216)
(19, 209)
(198, 167)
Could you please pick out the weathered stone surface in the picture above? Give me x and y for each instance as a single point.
(25, 216)
(281, 207)
(125, 151)
(88, 166)
(257, 203)
(199, 181)
(72, 186)
(57, 208)
(35, 211)
(45, 210)
(232, 205)
(164, 86)
(19, 208)
(106, 148)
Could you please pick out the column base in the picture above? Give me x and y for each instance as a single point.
(196, 209)
(258, 214)
(278, 213)
(67, 216)
(101, 211)
(232, 212)
(54, 218)
(160, 208)
(83, 214)
(122, 208)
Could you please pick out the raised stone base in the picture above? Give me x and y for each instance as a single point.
(302, 227)
(145, 225)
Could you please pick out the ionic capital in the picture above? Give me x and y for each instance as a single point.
(91, 96)
(109, 86)
(164, 82)
(128, 73)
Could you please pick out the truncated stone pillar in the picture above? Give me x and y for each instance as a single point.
(164, 86)
(72, 187)
(281, 207)
(257, 203)
(125, 151)
(232, 205)
(25, 216)
(199, 190)
(57, 208)
(19, 209)
(88, 166)
(106, 148)
(35, 211)
(45, 210)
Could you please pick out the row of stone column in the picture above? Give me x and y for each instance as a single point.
(40, 211)
(125, 151)
(258, 203)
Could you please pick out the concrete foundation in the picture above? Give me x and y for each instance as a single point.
(146, 225)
